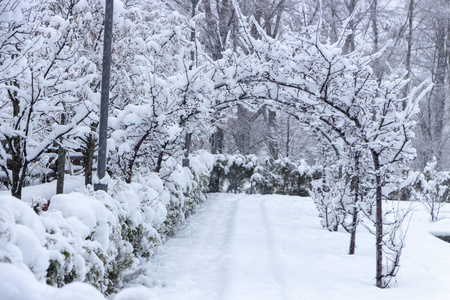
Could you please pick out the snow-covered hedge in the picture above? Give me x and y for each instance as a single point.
(238, 173)
(104, 239)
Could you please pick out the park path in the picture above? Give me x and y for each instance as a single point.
(240, 247)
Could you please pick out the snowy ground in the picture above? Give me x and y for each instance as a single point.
(273, 247)
(268, 247)
(47, 190)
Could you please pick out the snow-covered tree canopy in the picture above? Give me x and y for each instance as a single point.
(166, 83)
(325, 89)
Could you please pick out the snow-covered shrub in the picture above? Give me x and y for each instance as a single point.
(217, 176)
(22, 237)
(99, 238)
(286, 177)
(231, 173)
(238, 169)
(20, 283)
(258, 182)
(187, 188)
(82, 231)
(239, 173)
(432, 189)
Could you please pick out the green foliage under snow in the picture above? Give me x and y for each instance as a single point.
(99, 238)
(238, 173)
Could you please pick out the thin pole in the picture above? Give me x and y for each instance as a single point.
(106, 69)
(187, 139)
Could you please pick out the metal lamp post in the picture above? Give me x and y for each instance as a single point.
(106, 71)
(187, 139)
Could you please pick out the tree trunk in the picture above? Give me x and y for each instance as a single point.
(273, 145)
(378, 221)
(60, 170)
(409, 48)
(440, 95)
(214, 44)
(241, 130)
(187, 146)
(61, 162)
(377, 64)
(136, 150)
(356, 188)
(17, 161)
(349, 45)
(288, 135)
(88, 159)
(217, 141)
(159, 162)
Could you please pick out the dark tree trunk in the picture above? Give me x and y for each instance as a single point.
(61, 163)
(187, 146)
(18, 161)
(136, 150)
(89, 158)
(159, 162)
(288, 135)
(217, 141)
(61, 170)
(378, 222)
(18, 166)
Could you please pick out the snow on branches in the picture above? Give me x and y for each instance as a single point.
(340, 95)
(432, 189)
(41, 92)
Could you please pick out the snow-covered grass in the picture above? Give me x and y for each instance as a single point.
(262, 247)
(47, 190)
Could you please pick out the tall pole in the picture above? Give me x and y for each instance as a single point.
(194, 4)
(187, 139)
(103, 129)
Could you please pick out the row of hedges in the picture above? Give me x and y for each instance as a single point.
(238, 173)
(104, 239)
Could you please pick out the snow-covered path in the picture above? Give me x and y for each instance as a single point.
(268, 247)
(228, 251)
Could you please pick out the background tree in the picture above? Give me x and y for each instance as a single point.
(45, 62)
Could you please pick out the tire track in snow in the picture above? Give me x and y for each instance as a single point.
(217, 231)
(189, 264)
(277, 265)
(228, 251)
(249, 264)
(226, 257)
